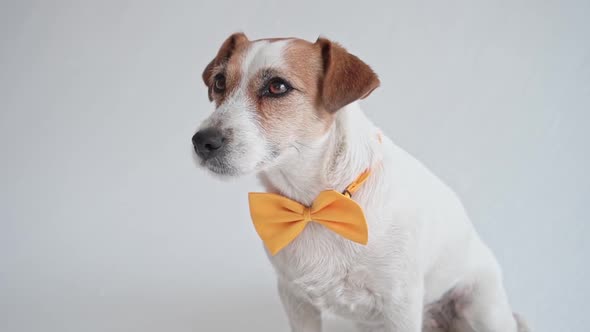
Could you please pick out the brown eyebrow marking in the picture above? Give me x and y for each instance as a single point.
(232, 70)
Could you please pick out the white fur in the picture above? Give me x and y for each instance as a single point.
(422, 247)
(262, 54)
(421, 243)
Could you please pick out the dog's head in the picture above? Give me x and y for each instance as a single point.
(273, 96)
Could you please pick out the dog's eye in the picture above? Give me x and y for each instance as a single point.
(277, 87)
(219, 84)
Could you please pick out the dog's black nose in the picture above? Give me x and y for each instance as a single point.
(208, 142)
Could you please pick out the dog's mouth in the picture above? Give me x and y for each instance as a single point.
(237, 160)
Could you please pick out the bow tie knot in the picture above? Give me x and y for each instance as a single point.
(279, 220)
(307, 214)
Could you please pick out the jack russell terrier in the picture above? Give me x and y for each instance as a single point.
(353, 224)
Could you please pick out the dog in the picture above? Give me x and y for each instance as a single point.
(287, 110)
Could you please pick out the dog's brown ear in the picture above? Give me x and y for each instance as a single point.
(225, 52)
(346, 78)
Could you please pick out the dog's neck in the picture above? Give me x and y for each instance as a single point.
(348, 148)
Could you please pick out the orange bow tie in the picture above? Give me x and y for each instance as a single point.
(279, 220)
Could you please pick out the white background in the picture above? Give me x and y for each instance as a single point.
(106, 224)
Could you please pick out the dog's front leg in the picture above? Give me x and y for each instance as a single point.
(403, 312)
(303, 316)
(404, 303)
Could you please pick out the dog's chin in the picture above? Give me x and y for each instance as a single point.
(224, 167)
(226, 171)
(221, 170)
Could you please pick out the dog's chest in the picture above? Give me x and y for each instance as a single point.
(325, 270)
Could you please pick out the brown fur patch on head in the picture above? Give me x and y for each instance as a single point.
(294, 118)
(306, 65)
(227, 63)
(326, 78)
